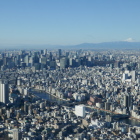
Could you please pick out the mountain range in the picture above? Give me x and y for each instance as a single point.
(108, 45)
(104, 45)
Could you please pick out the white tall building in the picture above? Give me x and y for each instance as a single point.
(16, 134)
(125, 76)
(133, 75)
(4, 92)
(80, 110)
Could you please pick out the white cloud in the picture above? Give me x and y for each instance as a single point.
(129, 40)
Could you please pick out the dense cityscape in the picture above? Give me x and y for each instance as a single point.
(69, 70)
(70, 95)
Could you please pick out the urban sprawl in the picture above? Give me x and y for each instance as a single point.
(69, 95)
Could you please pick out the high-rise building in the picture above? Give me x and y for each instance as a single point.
(108, 118)
(44, 60)
(50, 56)
(127, 101)
(45, 51)
(133, 75)
(26, 59)
(42, 51)
(80, 110)
(16, 134)
(59, 53)
(107, 106)
(4, 92)
(71, 62)
(125, 76)
(63, 63)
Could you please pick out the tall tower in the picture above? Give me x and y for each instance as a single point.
(4, 92)
(127, 101)
(45, 52)
(59, 53)
(133, 75)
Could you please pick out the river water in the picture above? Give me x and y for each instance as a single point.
(49, 97)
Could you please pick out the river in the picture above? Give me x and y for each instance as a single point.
(49, 97)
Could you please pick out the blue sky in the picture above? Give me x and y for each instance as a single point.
(67, 22)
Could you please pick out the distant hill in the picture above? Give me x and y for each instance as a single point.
(109, 45)
(104, 45)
